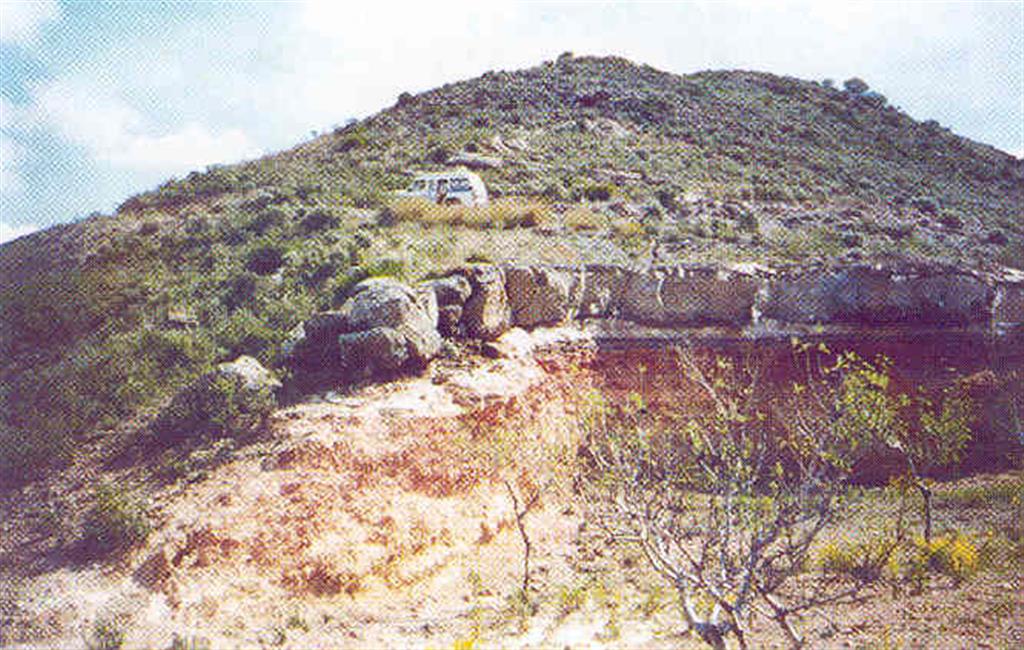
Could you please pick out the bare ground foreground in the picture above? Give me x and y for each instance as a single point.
(382, 517)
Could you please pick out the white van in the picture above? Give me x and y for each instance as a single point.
(459, 186)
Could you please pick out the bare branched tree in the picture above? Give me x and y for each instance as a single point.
(726, 498)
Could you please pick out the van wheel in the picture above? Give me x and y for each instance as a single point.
(452, 202)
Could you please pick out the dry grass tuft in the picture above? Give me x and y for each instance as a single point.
(581, 218)
(498, 214)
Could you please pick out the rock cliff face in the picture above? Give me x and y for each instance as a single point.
(747, 296)
(741, 302)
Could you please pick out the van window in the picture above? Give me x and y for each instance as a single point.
(461, 185)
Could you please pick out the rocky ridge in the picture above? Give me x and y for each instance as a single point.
(742, 301)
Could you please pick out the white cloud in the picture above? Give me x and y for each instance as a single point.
(9, 231)
(113, 132)
(189, 148)
(12, 153)
(22, 20)
(11, 156)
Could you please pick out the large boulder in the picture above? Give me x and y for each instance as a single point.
(448, 320)
(451, 290)
(486, 314)
(232, 399)
(380, 302)
(384, 326)
(376, 350)
(313, 344)
(541, 295)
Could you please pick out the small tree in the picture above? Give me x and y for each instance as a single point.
(937, 442)
(925, 434)
(726, 499)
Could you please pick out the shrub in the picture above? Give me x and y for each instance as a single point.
(438, 154)
(925, 204)
(318, 220)
(266, 220)
(313, 265)
(953, 554)
(24, 456)
(353, 140)
(571, 600)
(243, 332)
(174, 351)
(864, 561)
(627, 228)
(385, 267)
(342, 283)
(851, 239)
(217, 404)
(724, 231)
(265, 259)
(107, 634)
(598, 192)
(117, 521)
(950, 220)
(748, 222)
(239, 289)
(855, 85)
(667, 200)
(502, 213)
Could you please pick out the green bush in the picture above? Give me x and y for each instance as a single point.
(385, 267)
(265, 259)
(243, 332)
(318, 220)
(215, 405)
(267, 220)
(117, 521)
(342, 283)
(107, 634)
(748, 222)
(598, 192)
(239, 289)
(438, 154)
(353, 140)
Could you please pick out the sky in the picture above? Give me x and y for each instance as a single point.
(102, 100)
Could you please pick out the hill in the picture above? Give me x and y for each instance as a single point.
(593, 160)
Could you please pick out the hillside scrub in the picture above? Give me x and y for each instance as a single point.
(730, 160)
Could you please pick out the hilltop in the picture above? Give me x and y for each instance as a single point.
(593, 159)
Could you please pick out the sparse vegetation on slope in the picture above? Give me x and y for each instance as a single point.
(106, 318)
